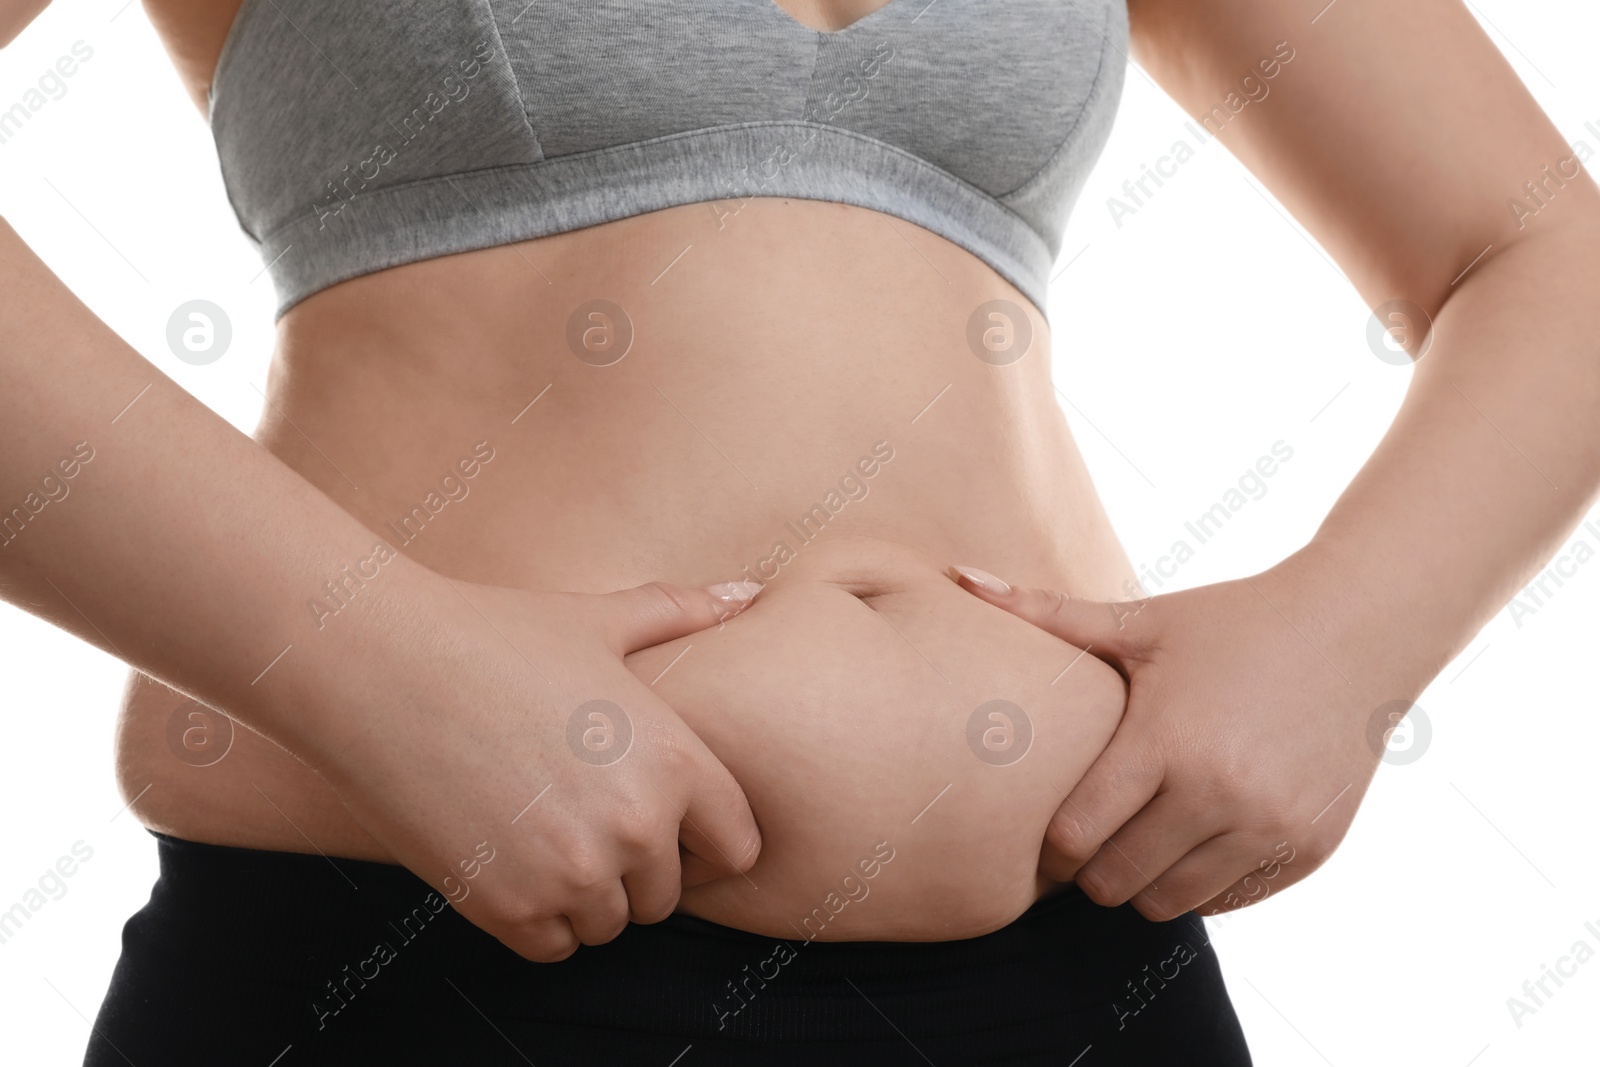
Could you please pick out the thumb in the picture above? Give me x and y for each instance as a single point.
(719, 836)
(1122, 779)
(660, 611)
(696, 871)
(1110, 628)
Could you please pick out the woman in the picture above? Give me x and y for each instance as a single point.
(579, 298)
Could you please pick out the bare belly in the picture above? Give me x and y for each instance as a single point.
(874, 711)
(782, 390)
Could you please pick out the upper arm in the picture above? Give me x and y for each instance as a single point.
(15, 16)
(1397, 133)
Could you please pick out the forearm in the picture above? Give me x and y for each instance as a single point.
(181, 546)
(15, 16)
(1491, 461)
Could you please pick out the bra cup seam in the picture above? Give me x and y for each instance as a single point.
(230, 44)
(811, 79)
(259, 240)
(1096, 92)
(516, 82)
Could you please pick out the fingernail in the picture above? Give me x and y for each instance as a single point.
(735, 591)
(984, 580)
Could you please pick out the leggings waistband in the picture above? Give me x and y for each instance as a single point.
(249, 949)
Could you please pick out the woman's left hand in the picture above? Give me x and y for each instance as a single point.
(1254, 723)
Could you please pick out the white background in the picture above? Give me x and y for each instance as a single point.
(1189, 339)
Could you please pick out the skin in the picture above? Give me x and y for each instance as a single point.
(836, 771)
(1026, 510)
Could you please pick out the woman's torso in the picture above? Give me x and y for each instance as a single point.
(798, 402)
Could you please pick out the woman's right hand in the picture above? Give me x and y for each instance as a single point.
(531, 778)
(439, 711)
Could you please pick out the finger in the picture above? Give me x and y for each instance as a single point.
(1111, 629)
(696, 871)
(1141, 853)
(653, 886)
(601, 914)
(1119, 783)
(718, 825)
(1265, 878)
(1207, 872)
(543, 940)
(660, 611)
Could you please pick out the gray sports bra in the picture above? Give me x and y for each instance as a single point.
(359, 136)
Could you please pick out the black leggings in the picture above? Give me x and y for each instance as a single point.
(276, 959)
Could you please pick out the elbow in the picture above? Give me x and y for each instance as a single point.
(1551, 224)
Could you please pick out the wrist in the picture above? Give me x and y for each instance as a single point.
(1368, 628)
(364, 646)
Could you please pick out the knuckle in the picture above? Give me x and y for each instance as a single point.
(586, 868)
(1271, 816)
(668, 600)
(654, 911)
(657, 914)
(653, 904)
(1224, 797)
(502, 911)
(655, 896)
(1051, 603)
(1068, 838)
(1231, 783)
(606, 925)
(638, 833)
